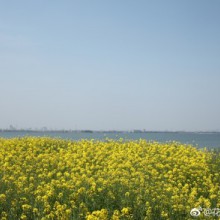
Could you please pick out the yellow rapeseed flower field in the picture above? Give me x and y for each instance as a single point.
(44, 178)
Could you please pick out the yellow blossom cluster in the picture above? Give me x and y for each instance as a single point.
(44, 178)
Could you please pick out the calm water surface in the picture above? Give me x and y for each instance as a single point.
(209, 140)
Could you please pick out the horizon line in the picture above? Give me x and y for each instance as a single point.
(104, 130)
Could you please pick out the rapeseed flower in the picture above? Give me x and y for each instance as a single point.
(44, 178)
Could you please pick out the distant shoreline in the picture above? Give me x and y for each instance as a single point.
(103, 131)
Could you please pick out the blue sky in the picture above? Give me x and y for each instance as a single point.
(124, 65)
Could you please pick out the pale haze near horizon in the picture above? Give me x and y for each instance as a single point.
(106, 65)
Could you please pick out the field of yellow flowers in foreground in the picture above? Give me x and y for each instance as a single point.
(44, 178)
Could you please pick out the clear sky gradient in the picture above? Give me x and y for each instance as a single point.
(100, 65)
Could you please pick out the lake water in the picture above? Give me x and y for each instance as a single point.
(209, 140)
